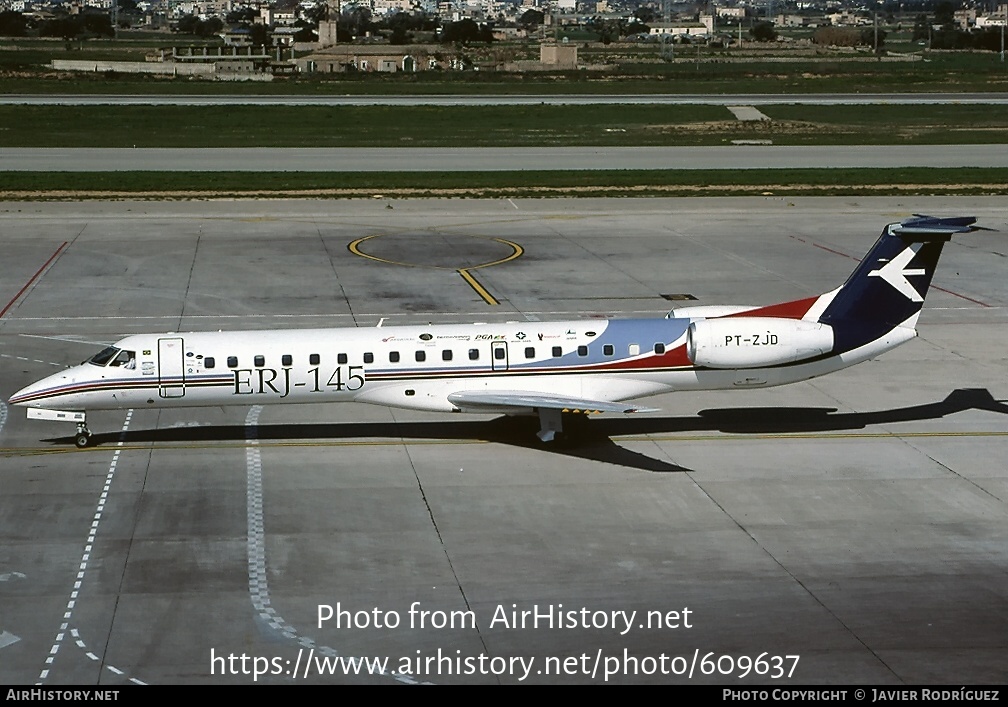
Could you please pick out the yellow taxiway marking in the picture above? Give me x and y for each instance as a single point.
(480, 290)
(663, 437)
(516, 252)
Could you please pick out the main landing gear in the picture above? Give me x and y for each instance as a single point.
(83, 436)
(550, 423)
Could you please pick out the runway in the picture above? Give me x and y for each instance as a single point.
(493, 159)
(727, 99)
(848, 530)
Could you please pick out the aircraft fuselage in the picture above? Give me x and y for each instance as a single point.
(416, 367)
(544, 368)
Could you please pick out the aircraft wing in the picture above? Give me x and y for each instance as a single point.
(506, 400)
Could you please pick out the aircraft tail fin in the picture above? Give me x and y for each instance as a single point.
(887, 288)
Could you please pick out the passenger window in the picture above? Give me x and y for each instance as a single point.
(341, 359)
(259, 361)
(530, 352)
(582, 350)
(474, 354)
(286, 360)
(659, 348)
(446, 355)
(634, 349)
(557, 351)
(368, 357)
(232, 362)
(393, 356)
(499, 354)
(608, 350)
(208, 362)
(421, 356)
(313, 359)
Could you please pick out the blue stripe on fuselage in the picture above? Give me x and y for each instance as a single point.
(618, 333)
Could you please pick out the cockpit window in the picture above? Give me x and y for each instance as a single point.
(125, 359)
(104, 356)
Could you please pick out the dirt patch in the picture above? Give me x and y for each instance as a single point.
(528, 192)
(750, 127)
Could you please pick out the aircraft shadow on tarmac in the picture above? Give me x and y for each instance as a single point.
(583, 438)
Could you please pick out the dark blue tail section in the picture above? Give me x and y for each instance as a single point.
(889, 285)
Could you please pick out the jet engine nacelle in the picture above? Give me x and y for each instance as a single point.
(755, 342)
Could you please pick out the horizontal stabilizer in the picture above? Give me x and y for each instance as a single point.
(921, 225)
(518, 400)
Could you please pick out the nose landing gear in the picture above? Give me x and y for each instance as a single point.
(83, 436)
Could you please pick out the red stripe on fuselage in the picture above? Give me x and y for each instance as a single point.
(672, 358)
(785, 310)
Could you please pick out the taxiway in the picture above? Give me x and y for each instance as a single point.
(858, 521)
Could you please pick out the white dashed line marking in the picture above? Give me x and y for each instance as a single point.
(85, 557)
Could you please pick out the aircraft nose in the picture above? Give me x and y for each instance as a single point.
(35, 391)
(22, 396)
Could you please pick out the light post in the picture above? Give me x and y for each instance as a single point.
(876, 33)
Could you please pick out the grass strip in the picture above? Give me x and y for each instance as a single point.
(635, 69)
(492, 126)
(207, 185)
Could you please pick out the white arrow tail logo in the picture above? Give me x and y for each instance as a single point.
(895, 272)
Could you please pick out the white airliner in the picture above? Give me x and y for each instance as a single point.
(533, 368)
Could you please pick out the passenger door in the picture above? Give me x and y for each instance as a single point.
(171, 368)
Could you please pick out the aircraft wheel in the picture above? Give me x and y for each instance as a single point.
(82, 440)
